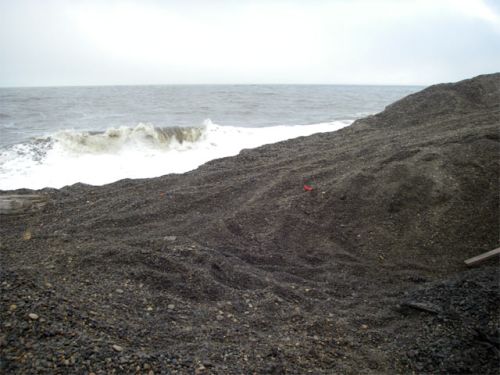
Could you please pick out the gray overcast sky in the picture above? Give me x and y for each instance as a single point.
(77, 42)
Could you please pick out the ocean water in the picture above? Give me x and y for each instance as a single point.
(52, 137)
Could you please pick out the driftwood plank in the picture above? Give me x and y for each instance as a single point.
(482, 257)
(17, 203)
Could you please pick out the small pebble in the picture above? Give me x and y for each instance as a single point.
(33, 316)
(117, 348)
(170, 306)
(119, 290)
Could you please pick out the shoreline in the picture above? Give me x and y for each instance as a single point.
(139, 152)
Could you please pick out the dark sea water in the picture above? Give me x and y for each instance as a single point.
(59, 136)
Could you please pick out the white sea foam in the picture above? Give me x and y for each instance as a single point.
(143, 151)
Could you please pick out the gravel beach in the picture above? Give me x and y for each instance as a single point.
(236, 268)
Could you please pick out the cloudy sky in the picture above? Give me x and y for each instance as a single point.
(77, 42)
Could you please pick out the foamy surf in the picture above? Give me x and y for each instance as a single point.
(144, 151)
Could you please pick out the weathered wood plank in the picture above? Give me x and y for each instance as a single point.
(482, 257)
(17, 203)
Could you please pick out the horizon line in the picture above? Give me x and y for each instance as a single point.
(213, 84)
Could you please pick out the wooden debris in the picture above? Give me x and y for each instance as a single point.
(422, 306)
(482, 257)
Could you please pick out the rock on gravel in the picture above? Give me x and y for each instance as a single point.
(33, 316)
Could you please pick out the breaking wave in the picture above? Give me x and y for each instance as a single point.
(117, 139)
(143, 151)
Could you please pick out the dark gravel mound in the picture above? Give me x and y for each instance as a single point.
(458, 322)
(234, 268)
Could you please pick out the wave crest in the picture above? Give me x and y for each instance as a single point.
(114, 139)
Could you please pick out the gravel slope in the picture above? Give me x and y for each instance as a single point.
(234, 269)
